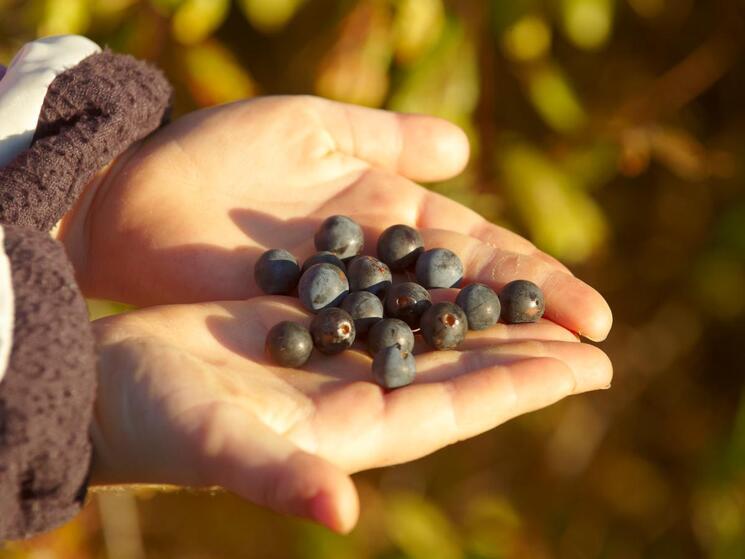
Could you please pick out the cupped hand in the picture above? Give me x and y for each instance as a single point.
(182, 216)
(187, 396)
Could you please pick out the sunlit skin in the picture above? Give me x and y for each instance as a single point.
(183, 216)
(186, 394)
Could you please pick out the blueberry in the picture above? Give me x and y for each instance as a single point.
(340, 235)
(522, 301)
(444, 326)
(366, 273)
(388, 332)
(289, 344)
(332, 330)
(407, 301)
(324, 257)
(399, 246)
(322, 286)
(276, 272)
(365, 308)
(480, 304)
(393, 367)
(439, 267)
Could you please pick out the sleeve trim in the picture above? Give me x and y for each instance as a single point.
(25, 84)
(7, 307)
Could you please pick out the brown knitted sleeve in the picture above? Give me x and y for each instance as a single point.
(46, 397)
(91, 114)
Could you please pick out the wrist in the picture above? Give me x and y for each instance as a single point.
(76, 228)
(108, 465)
(128, 441)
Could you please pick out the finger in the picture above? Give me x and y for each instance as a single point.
(238, 329)
(413, 421)
(468, 405)
(420, 147)
(439, 212)
(569, 301)
(455, 395)
(501, 385)
(542, 330)
(271, 310)
(248, 458)
(590, 366)
(382, 199)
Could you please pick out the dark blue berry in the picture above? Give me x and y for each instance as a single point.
(322, 286)
(332, 330)
(340, 235)
(444, 326)
(399, 246)
(289, 344)
(324, 257)
(393, 367)
(480, 304)
(522, 301)
(366, 273)
(439, 267)
(407, 301)
(388, 332)
(276, 272)
(365, 308)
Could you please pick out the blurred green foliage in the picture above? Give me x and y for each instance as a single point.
(612, 134)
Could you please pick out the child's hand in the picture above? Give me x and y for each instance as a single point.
(186, 396)
(183, 216)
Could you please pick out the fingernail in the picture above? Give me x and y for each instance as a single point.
(596, 339)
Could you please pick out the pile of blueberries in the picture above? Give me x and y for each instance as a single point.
(354, 296)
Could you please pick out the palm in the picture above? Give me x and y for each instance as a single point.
(188, 392)
(183, 217)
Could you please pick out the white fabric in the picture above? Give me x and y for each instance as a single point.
(25, 84)
(7, 307)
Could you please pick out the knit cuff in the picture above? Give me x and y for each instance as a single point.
(23, 89)
(91, 114)
(47, 395)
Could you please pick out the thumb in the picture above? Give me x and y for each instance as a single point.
(245, 456)
(419, 147)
